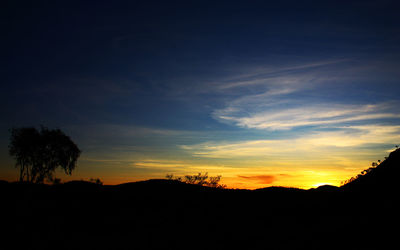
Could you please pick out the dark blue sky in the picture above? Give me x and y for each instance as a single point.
(175, 80)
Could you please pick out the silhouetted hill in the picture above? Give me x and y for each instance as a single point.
(383, 178)
(168, 214)
(160, 185)
(279, 189)
(327, 188)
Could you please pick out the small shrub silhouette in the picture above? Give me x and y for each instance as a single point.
(96, 181)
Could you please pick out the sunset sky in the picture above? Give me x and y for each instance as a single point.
(264, 93)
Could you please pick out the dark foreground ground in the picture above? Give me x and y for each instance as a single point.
(161, 214)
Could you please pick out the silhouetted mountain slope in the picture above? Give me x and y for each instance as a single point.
(383, 178)
(168, 214)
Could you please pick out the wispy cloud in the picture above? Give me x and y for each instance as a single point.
(357, 135)
(315, 115)
(307, 144)
(261, 179)
(270, 75)
(160, 164)
(287, 97)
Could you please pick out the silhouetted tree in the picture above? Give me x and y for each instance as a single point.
(171, 177)
(39, 152)
(199, 179)
(214, 182)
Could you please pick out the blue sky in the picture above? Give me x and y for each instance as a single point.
(289, 93)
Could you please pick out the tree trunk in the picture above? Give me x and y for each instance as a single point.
(27, 174)
(21, 173)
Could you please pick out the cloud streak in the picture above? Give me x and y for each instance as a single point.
(310, 143)
(288, 97)
(307, 115)
(261, 179)
(278, 75)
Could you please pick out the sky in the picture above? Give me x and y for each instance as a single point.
(264, 93)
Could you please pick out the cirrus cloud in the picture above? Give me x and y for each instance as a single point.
(306, 115)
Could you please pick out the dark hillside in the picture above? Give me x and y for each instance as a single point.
(384, 178)
(168, 214)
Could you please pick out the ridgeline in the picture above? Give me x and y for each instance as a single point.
(169, 214)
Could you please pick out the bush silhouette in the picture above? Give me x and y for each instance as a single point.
(39, 152)
(96, 181)
(199, 179)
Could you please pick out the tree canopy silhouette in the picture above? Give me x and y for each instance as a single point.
(39, 152)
